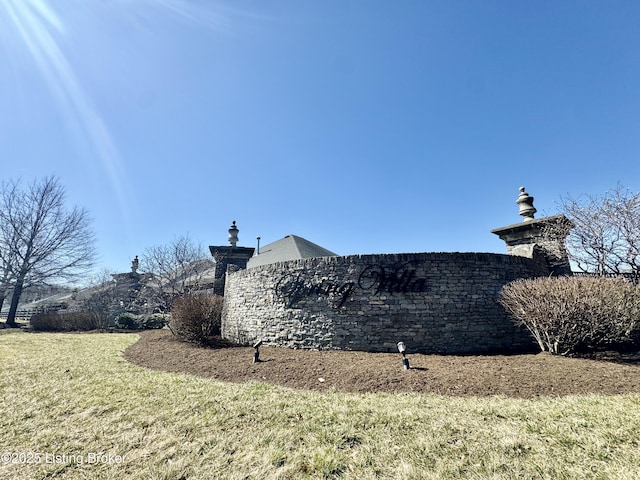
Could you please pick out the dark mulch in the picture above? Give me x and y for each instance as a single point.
(523, 376)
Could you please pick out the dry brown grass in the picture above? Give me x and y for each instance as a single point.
(76, 394)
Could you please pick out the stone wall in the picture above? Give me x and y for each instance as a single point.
(433, 302)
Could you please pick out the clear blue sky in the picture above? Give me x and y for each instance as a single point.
(363, 126)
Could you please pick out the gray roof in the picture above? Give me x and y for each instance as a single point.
(288, 248)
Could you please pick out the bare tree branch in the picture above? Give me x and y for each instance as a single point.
(41, 240)
(176, 268)
(605, 237)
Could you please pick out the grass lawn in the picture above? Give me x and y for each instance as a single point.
(73, 408)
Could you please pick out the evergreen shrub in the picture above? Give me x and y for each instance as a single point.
(131, 321)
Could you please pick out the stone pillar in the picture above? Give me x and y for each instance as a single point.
(228, 255)
(545, 236)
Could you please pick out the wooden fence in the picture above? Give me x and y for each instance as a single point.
(633, 277)
(27, 313)
(23, 314)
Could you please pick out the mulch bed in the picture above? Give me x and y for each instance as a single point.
(520, 376)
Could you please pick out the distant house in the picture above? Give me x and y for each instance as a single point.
(288, 248)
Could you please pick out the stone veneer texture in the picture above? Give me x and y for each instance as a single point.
(433, 302)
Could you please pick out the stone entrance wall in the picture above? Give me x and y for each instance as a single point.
(433, 302)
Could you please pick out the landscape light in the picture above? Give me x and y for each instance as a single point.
(402, 348)
(256, 354)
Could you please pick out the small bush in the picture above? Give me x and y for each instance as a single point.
(153, 321)
(571, 314)
(127, 321)
(131, 321)
(65, 322)
(195, 317)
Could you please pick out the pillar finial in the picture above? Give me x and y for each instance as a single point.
(525, 202)
(233, 234)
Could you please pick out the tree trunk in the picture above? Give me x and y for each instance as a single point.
(15, 298)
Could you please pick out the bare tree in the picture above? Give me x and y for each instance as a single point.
(7, 277)
(100, 298)
(41, 240)
(605, 238)
(176, 268)
(8, 242)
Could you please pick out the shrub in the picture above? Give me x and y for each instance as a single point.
(131, 321)
(570, 314)
(127, 321)
(65, 322)
(152, 321)
(195, 317)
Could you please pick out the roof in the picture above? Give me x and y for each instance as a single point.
(288, 248)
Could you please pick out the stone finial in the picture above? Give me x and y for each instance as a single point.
(525, 202)
(233, 234)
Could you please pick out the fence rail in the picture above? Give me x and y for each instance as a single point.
(633, 277)
(26, 314)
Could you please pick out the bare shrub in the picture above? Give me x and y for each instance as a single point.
(570, 314)
(195, 317)
(65, 322)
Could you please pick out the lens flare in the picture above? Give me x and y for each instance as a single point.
(38, 27)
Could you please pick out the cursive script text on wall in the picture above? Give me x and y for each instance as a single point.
(293, 288)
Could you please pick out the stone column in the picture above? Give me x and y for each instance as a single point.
(544, 236)
(229, 255)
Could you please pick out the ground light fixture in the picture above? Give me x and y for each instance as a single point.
(256, 354)
(402, 348)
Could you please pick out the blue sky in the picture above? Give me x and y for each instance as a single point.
(363, 126)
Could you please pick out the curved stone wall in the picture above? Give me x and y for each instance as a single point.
(433, 302)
